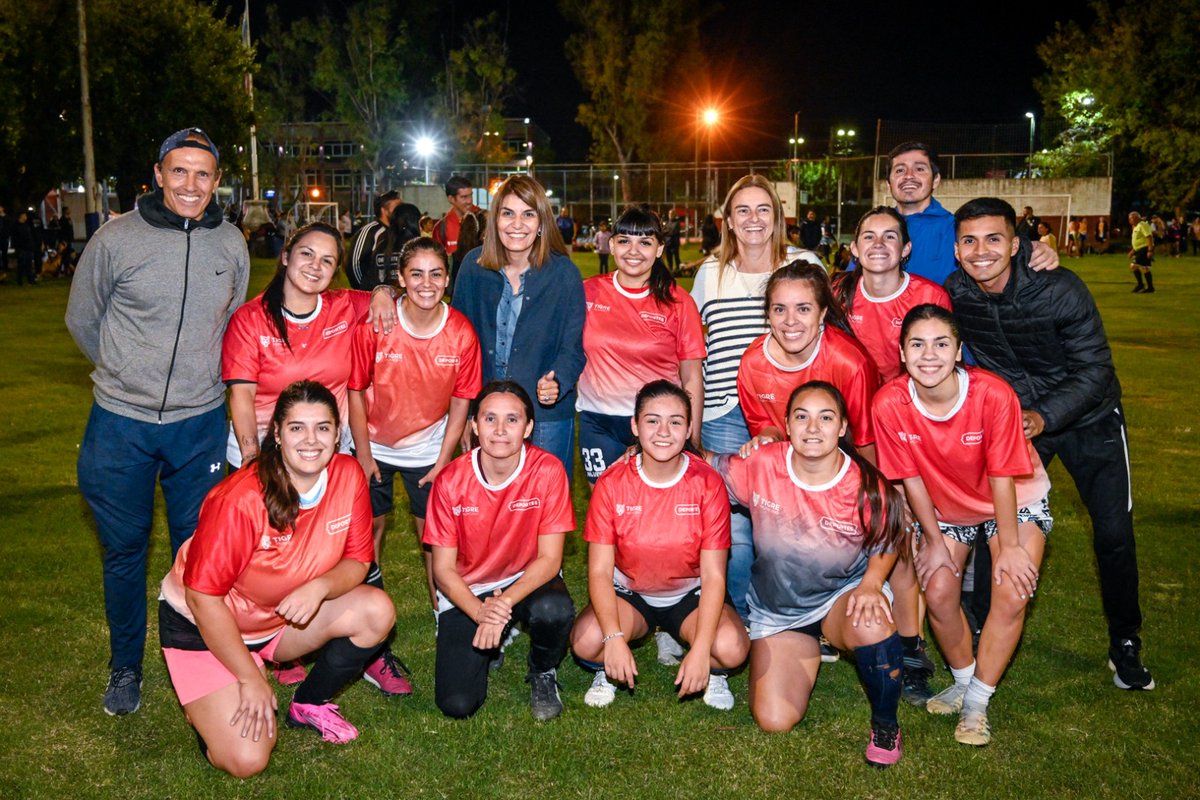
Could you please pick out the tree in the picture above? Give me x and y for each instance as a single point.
(1132, 76)
(627, 54)
(473, 88)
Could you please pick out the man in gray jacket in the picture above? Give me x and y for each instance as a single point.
(149, 303)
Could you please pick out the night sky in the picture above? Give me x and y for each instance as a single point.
(835, 63)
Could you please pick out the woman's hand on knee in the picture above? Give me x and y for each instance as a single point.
(256, 709)
(869, 606)
(931, 557)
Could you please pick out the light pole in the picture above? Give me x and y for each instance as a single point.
(425, 149)
(1032, 129)
(711, 117)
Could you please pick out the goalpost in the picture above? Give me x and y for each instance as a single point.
(1053, 209)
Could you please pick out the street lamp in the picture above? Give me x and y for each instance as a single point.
(1032, 129)
(425, 149)
(711, 117)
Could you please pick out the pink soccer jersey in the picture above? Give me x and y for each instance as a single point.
(320, 350)
(630, 340)
(410, 379)
(235, 553)
(954, 456)
(876, 320)
(659, 529)
(764, 385)
(496, 528)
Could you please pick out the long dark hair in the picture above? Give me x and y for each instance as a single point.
(639, 221)
(816, 277)
(423, 244)
(279, 495)
(928, 311)
(880, 509)
(846, 285)
(272, 296)
(404, 224)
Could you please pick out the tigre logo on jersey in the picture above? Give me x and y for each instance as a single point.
(687, 510)
(623, 509)
(267, 341)
(339, 525)
(768, 397)
(460, 510)
(650, 316)
(265, 542)
(388, 357)
(334, 330)
(758, 501)
(593, 306)
(911, 438)
(446, 361)
(830, 524)
(524, 504)
(972, 438)
(855, 319)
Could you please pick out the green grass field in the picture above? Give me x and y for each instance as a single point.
(1061, 728)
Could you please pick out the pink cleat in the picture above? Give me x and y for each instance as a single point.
(324, 719)
(289, 673)
(386, 673)
(883, 749)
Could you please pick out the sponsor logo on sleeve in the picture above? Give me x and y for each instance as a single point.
(687, 510)
(335, 330)
(972, 438)
(897, 322)
(838, 526)
(339, 525)
(524, 504)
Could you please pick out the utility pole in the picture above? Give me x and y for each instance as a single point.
(91, 199)
(250, 92)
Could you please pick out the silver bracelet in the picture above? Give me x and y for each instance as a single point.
(612, 636)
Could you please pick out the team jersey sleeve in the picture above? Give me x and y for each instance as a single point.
(362, 358)
(225, 538)
(1007, 451)
(757, 415)
(470, 368)
(360, 303)
(690, 337)
(734, 472)
(599, 529)
(714, 513)
(859, 389)
(441, 530)
(360, 541)
(895, 460)
(560, 515)
(240, 349)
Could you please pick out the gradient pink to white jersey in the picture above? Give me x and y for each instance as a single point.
(320, 350)
(982, 437)
(764, 385)
(876, 321)
(496, 528)
(629, 340)
(236, 554)
(409, 379)
(659, 529)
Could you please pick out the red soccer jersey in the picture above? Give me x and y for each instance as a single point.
(876, 320)
(954, 456)
(236, 554)
(496, 528)
(409, 379)
(764, 384)
(252, 350)
(630, 340)
(659, 529)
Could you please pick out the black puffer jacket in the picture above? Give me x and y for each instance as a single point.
(1043, 335)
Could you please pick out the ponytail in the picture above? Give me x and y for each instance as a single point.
(640, 221)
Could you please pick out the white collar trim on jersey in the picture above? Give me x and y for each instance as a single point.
(404, 320)
(290, 317)
(964, 380)
(683, 468)
(808, 487)
(645, 292)
(313, 496)
(904, 281)
(806, 364)
(498, 486)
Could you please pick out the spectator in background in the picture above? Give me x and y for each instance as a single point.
(345, 224)
(1027, 226)
(1083, 237)
(1101, 235)
(66, 235)
(24, 244)
(671, 251)
(603, 236)
(1195, 228)
(1175, 237)
(404, 223)
(566, 227)
(1141, 252)
(793, 235)
(810, 232)
(362, 250)
(1046, 235)
(458, 194)
(828, 240)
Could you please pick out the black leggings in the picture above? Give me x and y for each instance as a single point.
(461, 670)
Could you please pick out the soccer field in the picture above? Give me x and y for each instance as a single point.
(1061, 729)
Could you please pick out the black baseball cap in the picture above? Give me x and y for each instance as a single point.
(188, 138)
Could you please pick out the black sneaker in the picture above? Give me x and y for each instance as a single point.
(918, 669)
(543, 697)
(1139, 289)
(1126, 663)
(123, 695)
(829, 653)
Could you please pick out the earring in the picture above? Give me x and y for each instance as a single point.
(539, 230)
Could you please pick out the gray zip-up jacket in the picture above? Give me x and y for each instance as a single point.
(149, 303)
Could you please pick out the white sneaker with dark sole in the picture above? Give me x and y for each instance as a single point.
(601, 693)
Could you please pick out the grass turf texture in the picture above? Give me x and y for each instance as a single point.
(1061, 728)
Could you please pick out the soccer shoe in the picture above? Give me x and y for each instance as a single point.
(601, 693)
(829, 653)
(973, 727)
(123, 695)
(1126, 663)
(918, 669)
(498, 662)
(324, 719)
(717, 695)
(948, 700)
(883, 748)
(386, 673)
(669, 650)
(289, 673)
(544, 701)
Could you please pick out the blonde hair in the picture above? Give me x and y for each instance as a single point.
(728, 251)
(549, 240)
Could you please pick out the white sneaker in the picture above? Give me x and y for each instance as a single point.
(717, 695)
(948, 700)
(669, 650)
(602, 692)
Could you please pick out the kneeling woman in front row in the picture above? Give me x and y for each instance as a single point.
(827, 527)
(274, 571)
(496, 521)
(658, 533)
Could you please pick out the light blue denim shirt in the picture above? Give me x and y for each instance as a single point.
(507, 313)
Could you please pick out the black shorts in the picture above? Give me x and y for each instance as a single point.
(603, 439)
(669, 619)
(812, 629)
(1142, 257)
(382, 498)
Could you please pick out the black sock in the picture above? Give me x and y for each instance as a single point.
(340, 662)
(374, 576)
(911, 644)
(1137, 273)
(879, 668)
(1149, 280)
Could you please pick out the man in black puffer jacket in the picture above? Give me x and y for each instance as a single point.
(1041, 331)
